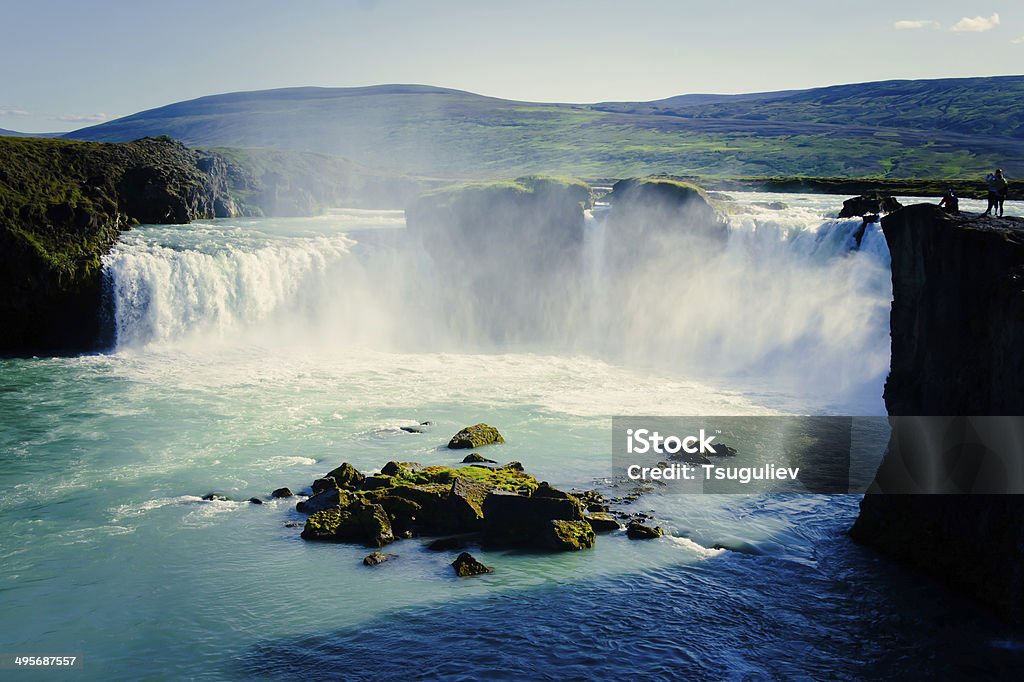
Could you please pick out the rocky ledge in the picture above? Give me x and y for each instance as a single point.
(957, 328)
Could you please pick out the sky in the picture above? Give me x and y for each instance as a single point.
(69, 64)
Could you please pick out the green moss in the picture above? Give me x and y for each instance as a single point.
(570, 535)
(493, 478)
(360, 521)
(475, 436)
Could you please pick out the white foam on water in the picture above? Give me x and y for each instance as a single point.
(691, 546)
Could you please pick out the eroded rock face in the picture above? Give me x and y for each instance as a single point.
(957, 328)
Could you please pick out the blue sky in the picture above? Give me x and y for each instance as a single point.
(70, 64)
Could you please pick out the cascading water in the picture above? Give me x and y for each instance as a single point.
(790, 296)
(256, 354)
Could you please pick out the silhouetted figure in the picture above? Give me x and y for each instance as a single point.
(998, 188)
(950, 202)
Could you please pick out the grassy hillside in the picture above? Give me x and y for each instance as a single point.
(940, 129)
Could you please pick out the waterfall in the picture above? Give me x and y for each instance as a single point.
(789, 294)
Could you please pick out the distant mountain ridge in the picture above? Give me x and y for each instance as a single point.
(899, 129)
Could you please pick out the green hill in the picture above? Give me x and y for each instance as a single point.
(895, 129)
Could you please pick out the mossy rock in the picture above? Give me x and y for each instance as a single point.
(328, 499)
(544, 489)
(466, 498)
(400, 469)
(563, 535)
(518, 520)
(377, 558)
(360, 521)
(466, 565)
(347, 476)
(323, 484)
(637, 530)
(477, 458)
(602, 522)
(402, 512)
(475, 437)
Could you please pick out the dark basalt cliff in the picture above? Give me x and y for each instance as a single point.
(957, 328)
(63, 205)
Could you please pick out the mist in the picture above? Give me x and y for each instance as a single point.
(760, 296)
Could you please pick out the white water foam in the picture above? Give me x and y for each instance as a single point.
(791, 296)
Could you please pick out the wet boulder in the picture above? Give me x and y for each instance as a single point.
(466, 565)
(518, 520)
(602, 522)
(466, 499)
(545, 490)
(282, 492)
(323, 484)
(477, 458)
(346, 476)
(326, 500)
(360, 521)
(400, 469)
(562, 535)
(376, 558)
(637, 530)
(475, 437)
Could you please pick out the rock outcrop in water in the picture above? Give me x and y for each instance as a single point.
(475, 437)
(957, 329)
(503, 505)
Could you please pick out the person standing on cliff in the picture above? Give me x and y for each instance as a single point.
(998, 188)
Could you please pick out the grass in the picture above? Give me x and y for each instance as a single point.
(959, 128)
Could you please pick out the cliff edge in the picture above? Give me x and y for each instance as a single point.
(957, 327)
(63, 205)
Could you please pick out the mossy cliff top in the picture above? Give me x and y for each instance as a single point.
(62, 206)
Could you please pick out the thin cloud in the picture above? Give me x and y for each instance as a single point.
(977, 24)
(14, 112)
(1018, 41)
(99, 117)
(911, 24)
